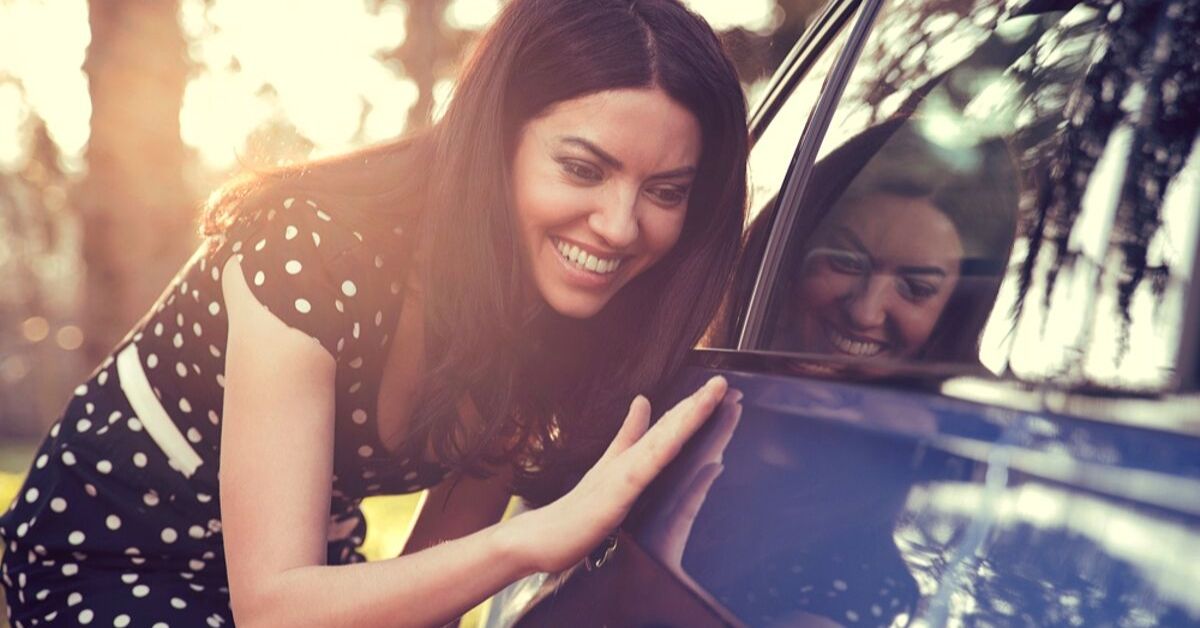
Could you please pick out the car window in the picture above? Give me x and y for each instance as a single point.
(770, 159)
(772, 152)
(977, 203)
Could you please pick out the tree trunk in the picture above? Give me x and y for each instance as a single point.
(422, 55)
(137, 211)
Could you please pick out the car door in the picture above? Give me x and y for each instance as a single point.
(992, 441)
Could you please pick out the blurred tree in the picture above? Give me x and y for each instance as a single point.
(137, 211)
(423, 54)
(37, 287)
(1146, 56)
(757, 54)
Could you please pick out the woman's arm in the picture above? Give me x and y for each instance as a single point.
(276, 465)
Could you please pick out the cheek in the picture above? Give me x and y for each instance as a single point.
(540, 207)
(917, 322)
(661, 230)
(821, 287)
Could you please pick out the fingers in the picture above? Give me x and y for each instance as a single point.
(663, 441)
(636, 422)
(687, 415)
(709, 444)
(729, 414)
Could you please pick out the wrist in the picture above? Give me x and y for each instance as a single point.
(511, 543)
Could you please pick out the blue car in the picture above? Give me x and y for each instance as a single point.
(963, 333)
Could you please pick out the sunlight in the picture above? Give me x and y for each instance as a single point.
(320, 70)
(42, 46)
(759, 16)
(471, 14)
(219, 111)
(319, 66)
(13, 115)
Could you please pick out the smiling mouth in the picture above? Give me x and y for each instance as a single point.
(853, 346)
(584, 261)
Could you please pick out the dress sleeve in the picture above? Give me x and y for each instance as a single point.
(295, 259)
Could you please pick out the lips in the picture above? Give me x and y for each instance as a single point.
(586, 261)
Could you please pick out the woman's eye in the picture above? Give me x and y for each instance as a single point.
(580, 170)
(844, 262)
(669, 196)
(916, 290)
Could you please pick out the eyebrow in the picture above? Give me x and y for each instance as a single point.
(848, 235)
(616, 164)
(921, 270)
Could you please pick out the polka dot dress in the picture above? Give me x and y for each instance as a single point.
(119, 520)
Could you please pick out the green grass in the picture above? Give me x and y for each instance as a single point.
(388, 517)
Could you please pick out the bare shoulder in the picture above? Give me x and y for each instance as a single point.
(252, 324)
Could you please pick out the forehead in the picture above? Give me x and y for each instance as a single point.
(643, 128)
(901, 229)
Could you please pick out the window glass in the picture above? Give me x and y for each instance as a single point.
(995, 195)
(770, 158)
(772, 152)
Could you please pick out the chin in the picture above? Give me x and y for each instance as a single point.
(577, 307)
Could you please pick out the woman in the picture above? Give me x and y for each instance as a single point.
(905, 263)
(468, 309)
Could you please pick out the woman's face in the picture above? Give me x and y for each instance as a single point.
(877, 279)
(600, 187)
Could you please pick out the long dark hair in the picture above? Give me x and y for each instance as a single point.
(551, 390)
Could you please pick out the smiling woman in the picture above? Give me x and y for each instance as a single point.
(596, 213)
(480, 309)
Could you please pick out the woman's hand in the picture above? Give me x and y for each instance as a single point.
(558, 535)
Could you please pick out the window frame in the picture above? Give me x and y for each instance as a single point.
(799, 60)
(750, 326)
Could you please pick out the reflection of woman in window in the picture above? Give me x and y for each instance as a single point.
(878, 277)
(905, 264)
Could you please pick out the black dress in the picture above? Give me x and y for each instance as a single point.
(119, 520)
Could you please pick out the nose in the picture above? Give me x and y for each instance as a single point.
(615, 218)
(866, 307)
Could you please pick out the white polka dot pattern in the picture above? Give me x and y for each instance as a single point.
(318, 276)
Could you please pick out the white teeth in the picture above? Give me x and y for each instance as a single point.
(586, 261)
(854, 347)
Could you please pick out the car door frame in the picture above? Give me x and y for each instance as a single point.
(863, 12)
